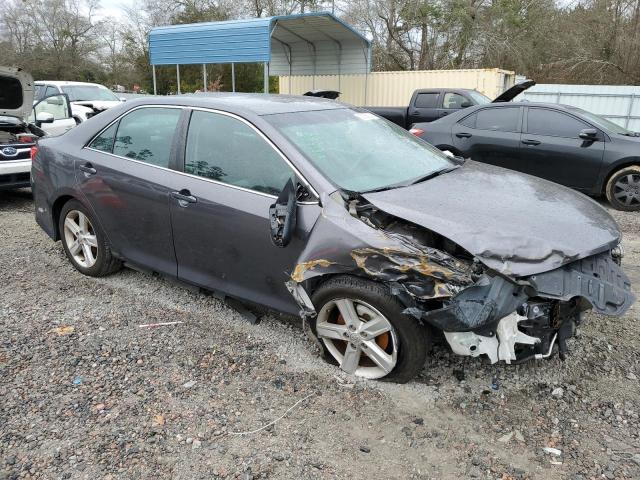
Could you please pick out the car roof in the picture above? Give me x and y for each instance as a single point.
(243, 103)
(60, 83)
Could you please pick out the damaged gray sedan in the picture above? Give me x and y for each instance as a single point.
(307, 206)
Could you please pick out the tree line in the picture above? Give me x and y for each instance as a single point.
(564, 41)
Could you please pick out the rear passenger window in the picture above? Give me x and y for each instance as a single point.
(146, 135)
(104, 141)
(502, 119)
(542, 121)
(223, 148)
(427, 100)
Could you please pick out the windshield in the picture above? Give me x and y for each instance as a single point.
(78, 93)
(601, 122)
(479, 98)
(358, 150)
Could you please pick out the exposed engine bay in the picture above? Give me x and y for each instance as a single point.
(480, 309)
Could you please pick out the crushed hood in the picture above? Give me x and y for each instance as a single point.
(16, 92)
(514, 223)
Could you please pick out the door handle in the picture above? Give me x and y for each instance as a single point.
(444, 114)
(88, 169)
(528, 141)
(463, 135)
(184, 197)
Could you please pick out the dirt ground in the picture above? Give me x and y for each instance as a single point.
(85, 392)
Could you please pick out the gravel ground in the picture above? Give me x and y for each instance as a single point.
(85, 392)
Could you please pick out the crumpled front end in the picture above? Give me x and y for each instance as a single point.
(479, 309)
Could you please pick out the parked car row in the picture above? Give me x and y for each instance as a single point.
(29, 111)
(563, 144)
(307, 206)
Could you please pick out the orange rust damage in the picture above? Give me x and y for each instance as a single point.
(302, 268)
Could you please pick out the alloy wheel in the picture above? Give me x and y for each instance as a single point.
(80, 239)
(627, 189)
(359, 337)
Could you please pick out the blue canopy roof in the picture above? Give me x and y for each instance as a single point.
(305, 44)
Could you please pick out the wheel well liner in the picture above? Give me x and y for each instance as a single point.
(55, 212)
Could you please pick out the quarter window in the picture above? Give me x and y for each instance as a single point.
(427, 100)
(104, 141)
(223, 148)
(502, 119)
(542, 121)
(146, 135)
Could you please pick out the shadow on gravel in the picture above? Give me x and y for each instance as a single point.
(16, 200)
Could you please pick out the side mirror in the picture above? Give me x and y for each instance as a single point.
(44, 117)
(282, 216)
(465, 104)
(590, 134)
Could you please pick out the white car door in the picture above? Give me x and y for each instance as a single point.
(53, 114)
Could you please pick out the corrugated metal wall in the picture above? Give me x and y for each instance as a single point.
(391, 89)
(618, 103)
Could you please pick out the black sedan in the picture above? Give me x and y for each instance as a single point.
(311, 207)
(564, 144)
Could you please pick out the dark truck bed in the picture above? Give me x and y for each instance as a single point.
(429, 104)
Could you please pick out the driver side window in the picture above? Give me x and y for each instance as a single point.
(225, 149)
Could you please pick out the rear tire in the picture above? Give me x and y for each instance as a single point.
(623, 189)
(401, 347)
(85, 244)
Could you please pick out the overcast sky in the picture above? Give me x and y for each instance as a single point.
(112, 8)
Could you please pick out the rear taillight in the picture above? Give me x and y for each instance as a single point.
(34, 152)
(416, 131)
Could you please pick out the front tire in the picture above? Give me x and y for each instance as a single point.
(86, 246)
(362, 329)
(623, 189)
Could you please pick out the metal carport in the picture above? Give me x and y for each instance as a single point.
(304, 44)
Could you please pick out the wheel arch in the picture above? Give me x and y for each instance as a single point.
(56, 209)
(613, 169)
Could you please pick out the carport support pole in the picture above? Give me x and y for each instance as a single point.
(233, 77)
(266, 77)
(155, 90)
(204, 76)
(178, 77)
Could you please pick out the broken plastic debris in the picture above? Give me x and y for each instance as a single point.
(552, 451)
(189, 384)
(67, 330)
(77, 381)
(161, 324)
(495, 384)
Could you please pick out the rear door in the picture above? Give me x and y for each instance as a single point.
(552, 148)
(424, 107)
(126, 174)
(220, 212)
(490, 135)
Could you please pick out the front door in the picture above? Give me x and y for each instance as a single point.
(423, 108)
(490, 135)
(220, 213)
(57, 106)
(552, 149)
(125, 176)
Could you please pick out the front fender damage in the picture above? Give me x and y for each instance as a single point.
(480, 310)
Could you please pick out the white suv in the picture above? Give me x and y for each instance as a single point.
(22, 122)
(87, 99)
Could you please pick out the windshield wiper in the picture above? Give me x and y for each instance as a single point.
(412, 181)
